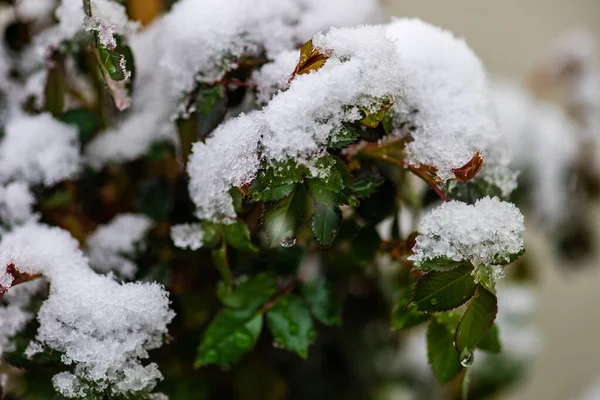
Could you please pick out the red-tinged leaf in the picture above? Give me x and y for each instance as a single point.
(311, 59)
(470, 169)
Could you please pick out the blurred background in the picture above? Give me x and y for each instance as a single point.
(510, 36)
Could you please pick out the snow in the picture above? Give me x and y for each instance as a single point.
(296, 123)
(483, 233)
(13, 313)
(110, 247)
(16, 203)
(274, 76)
(187, 236)
(224, 32)
(103, 328)
(108, 19)
(446, 101)
(39, 150)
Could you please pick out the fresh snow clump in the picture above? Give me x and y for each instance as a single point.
(111, 246)
(446, 107)
(297, 123)
(486, 233)
(16, 202)
(103, 328)
(39, 150)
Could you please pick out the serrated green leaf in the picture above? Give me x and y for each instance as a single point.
(250, 294)
(491, 341)
(276, 181)
(320, 295)
(402, 317)
(441, 291)
(347, 135)
(283, 219)
(291, 325)
(366, 183)
(111, 61)
(237, 235)
(438, 264)
(230, 335)
(211, 107)
(443, 357)
(325, 223)
(477, 320)
(319, 192)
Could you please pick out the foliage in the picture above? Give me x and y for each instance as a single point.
(280, 301)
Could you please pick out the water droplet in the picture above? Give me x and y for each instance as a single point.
(434, 302)
(277, 345)
(287, 241)
(467, 359)
(412, 306)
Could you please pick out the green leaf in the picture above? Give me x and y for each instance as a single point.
(366, 183)
(250, 294)
(402, 317)
(221, 262)
(111, 61)
(320, 295)
(508, 258)
(211, 107)
(86, 122)
(443, 357)
(325, 223)
(290, 322)
(237, 235)
(491, 341)
(373, 120)
(347, 135)
(237, 198)
(441, 291)
(438, 264)
(230, 335)
(282, 220)
(276, 181)
(127, 53)
(477, 321)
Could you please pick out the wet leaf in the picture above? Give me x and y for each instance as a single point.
(443, 357)
(283, 219)
(291, 325)
(441, 291)
(250, 294)
(230, 335)
(237, 235)
(325, 223)
(477, 320)
(491, 341)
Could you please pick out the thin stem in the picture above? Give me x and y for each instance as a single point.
(284, 291)
(429, 181)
